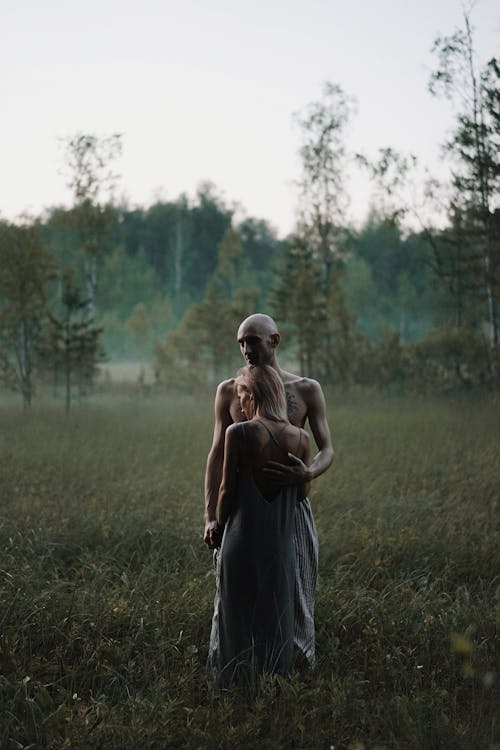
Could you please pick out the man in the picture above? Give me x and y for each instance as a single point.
(259, 338)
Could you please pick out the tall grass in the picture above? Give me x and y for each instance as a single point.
(106, 588)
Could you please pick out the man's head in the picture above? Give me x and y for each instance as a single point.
(258, 338)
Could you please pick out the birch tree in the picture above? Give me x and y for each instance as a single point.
(89, 164)
(26, 267)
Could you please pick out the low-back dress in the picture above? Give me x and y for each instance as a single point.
(253, 621)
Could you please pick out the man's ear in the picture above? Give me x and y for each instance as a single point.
(276, 338)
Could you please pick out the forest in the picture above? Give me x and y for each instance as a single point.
(406, 303)
(106, 586)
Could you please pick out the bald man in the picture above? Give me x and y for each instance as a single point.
(258, 338)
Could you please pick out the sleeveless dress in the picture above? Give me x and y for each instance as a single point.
(306, 573)
(253, 621)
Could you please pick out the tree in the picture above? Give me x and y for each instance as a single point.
(210, 218)
(474, 148)
(202, 348)
(91, 179)
(260, 243)
(181, 239)
(229, 260)
(387, 279)
(298, 300)
(457, 263)
(26, 267)
(71, 344)
(390, 174)
(323, 196)
(348, 353)
(139, 324)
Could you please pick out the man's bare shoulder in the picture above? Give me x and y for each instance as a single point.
(303, 384)
(225, 390)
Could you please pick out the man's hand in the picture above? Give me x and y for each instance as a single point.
(295, 473)
(213, 534)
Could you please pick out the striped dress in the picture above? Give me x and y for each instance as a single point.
(305, 539)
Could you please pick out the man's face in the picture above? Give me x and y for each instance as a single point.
(256, 347)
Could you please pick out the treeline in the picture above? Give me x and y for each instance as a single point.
(377, 306)
(156, 262)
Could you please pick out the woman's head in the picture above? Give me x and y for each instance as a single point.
(260, 389)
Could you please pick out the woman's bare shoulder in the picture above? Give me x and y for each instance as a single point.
(236, 430)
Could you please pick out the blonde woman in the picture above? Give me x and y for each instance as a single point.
(253, 622)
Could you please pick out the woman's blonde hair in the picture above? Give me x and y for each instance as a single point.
(267, 389)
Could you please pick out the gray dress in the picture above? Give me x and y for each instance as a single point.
(253, 621)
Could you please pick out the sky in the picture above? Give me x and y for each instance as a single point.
(205, 90)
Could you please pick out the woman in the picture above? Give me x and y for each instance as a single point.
(252, 627)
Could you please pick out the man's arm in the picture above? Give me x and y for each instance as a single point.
(213, 473)
(321, 432)
(305, 487)
(298, 472)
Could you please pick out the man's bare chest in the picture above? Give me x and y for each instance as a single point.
(295, 405)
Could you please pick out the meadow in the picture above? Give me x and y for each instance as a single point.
(106, 588)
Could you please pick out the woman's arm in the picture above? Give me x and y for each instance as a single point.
(227, 489)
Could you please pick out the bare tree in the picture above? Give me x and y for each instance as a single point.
(89, 161)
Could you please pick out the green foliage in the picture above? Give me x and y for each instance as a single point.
(229, 260)
(26, 268)
(298, 300)
(390, 174)
(323, 160)
(349, 346)
(107, 589)
(387, 364)
(447, 360)
(452, 359)
(176, 277)
(90, 177)
(203, 348)
(70, 347)
(164, 256)
(389, 283)
(474, 148)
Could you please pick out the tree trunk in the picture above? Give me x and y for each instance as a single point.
(24, 364)
(178, 258)
(67, 370)
(91, 285)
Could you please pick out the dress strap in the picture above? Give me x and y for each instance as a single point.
(271, 435)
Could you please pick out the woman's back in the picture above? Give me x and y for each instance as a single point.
(252, 629)
(267, 440)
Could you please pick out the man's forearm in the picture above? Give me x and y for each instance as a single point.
(213, 479)
(320, 463)
(210, 506)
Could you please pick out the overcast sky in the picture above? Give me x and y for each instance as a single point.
(206, 89)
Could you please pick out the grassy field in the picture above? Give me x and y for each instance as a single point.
(106, 589)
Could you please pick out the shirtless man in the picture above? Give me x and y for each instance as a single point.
(258, 338)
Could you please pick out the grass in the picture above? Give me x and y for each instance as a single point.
(106, 589)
